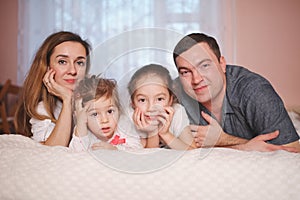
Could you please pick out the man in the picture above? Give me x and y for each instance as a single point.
(229, 105)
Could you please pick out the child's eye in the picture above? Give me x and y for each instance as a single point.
(94, 114)
(161, 99)
(110, 111)
(141, 100)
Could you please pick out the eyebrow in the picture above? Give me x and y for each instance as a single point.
(199, 63)
(144, 95)
(66, 56)
(103, 108)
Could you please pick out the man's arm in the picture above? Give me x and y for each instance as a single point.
(212, 135)
(259, 144)
(295, 145)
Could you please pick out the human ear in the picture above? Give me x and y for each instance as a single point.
(132, 105)
(171, 100)
(223, 63)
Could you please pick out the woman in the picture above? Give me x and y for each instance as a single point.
(45, 112)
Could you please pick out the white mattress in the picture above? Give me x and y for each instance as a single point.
(29, 170)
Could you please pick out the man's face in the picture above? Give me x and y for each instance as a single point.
(201, 74)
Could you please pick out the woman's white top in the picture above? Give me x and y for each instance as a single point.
(41, 129)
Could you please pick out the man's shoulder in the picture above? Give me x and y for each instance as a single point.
(241, 78)
(238, 72)
(243, 85)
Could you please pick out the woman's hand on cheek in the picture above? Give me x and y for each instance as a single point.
(54, 88)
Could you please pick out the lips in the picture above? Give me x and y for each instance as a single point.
(71, 81)
(200, 89)
(105, 129)
(151, 118)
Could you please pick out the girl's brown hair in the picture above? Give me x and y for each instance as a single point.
(153, 69)
(34, 90)
(95, 87)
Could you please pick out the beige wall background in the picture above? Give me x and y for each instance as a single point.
(8, 40)
(266, 32)
(268, 42)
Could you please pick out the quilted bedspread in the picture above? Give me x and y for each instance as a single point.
(29, 170)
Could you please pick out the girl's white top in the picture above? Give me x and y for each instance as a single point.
(130, 140)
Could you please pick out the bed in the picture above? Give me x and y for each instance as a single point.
(29, 170)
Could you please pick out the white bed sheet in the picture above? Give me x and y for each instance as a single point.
(29, 170)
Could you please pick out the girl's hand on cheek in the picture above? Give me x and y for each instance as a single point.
(81, 118)
(165, 119)
(138, 119)
(140, 122)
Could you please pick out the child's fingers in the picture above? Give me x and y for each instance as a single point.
(163, 119)
(78, 104)
(97, 145)
(169, 111)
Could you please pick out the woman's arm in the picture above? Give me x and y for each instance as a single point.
(61, 134)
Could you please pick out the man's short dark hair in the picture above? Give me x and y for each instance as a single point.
(192, 39)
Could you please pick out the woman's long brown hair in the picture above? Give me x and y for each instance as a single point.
(34, 90)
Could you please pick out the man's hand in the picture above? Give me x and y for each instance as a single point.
(259, 144)
(213, 135)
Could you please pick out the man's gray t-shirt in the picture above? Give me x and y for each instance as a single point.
(251, 107)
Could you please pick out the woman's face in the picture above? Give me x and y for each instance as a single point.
(68, 60)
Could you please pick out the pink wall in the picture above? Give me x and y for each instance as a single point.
(267, 42)
(8, 40)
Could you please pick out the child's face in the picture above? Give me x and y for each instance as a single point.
(102, 117)
(151, 96)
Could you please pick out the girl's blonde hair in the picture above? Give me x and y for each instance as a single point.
(34, 90)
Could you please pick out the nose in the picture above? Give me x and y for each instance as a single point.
(196, 77)
(103, 118)
(72, 69)
(150, 106)
(155, 106)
